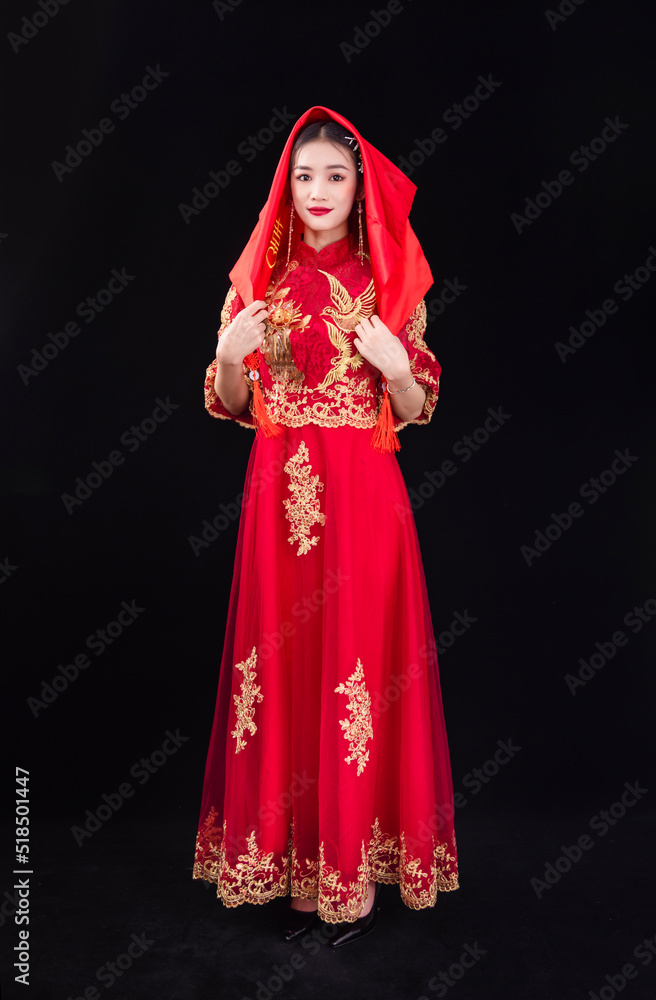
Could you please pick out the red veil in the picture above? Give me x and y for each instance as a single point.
(400, 271)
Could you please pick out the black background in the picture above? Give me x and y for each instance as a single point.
(228, 72)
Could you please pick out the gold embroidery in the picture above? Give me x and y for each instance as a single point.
(348, 357)
(332, 907)
(283, 317)
(358, 729)
(226, 312)
(255, 878)
(345, 310)
(303, 509)
(245, 702)
(346, 313)
(259, 876)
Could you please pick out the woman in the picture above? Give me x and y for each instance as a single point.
(328, 769)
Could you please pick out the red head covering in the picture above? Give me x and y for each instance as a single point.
(400, 271)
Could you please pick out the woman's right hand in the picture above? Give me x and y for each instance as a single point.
(243, 335)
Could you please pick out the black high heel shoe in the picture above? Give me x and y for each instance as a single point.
(297, 922)
(360, 927)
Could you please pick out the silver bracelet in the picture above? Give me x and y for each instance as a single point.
(395, 391)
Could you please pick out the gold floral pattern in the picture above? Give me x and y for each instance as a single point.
(257, 876)
(358, 728)
(303, 509)
(245, 701)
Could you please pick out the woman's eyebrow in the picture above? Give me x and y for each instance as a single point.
(330, 166)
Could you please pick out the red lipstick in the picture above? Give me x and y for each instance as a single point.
(319, 211)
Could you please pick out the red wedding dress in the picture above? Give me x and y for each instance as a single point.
(328, 763)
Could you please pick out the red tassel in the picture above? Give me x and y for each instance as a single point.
(385, 438)
(261, 418)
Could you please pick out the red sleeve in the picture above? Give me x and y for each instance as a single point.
(423, 364)
(232, 305)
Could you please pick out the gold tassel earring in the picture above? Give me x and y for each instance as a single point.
(291, 229)
(360, 240)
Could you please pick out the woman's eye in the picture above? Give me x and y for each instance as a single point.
(302, 177)
(338, 177)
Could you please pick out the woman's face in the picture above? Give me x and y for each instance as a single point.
(324, 183)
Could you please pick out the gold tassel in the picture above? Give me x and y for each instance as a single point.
(384, 437)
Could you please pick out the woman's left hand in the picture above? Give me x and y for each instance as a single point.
(378, 345)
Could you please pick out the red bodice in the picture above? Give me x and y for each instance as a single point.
(310, 369)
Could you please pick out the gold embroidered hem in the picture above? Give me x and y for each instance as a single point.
(259, 876)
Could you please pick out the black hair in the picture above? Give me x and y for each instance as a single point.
(328, 131)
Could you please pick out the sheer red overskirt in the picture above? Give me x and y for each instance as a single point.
(287, 812)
